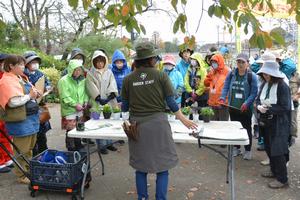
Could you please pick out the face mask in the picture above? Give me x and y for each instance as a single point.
(168, 67)
(194, 63)
(80, 60)
(35, 66)
(214, 65)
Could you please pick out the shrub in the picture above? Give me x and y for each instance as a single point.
(186, 110)
(207, 111)
(106, 108)
(116, 110)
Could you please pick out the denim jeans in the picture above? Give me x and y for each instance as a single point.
(162, 179)
(102, 143)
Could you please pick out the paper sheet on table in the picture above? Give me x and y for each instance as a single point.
(207, 132)
(105, 127)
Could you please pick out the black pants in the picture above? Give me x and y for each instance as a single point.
(277, 163)
(245, 119)
(41, 140)
(73, 144)
(40, 145)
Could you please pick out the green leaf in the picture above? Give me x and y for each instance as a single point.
(96, 22)
(182, 27)
(93, 13)
(176, 26)
(73, 3)
(226, 12)
(174, 4)
(218, 11)
(99, 6)
(139, 8)
(235, 16)
(246, 28)
(270, 5)
(260, 42)
(298, 18)
(211, 10)
(231, 4)
(252, 41)
(143, 29)
(277, 37)
(184, 2)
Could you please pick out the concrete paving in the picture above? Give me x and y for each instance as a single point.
(200, 175)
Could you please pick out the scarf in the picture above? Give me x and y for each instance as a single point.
(10, 86)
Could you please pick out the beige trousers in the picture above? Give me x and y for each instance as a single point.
(25, 145)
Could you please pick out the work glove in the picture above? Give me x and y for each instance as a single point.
(194, 97)
(244, 107)
(221, 101)
(262, 109)
(101, 101)
(78, 107)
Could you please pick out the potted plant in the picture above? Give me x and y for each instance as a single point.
(95, 112)
(186, 110)
(106, 111)
(207, 113)
(116, 113)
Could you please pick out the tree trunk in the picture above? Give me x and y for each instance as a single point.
(48, 43)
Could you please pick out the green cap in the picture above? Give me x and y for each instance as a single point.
(145, 50)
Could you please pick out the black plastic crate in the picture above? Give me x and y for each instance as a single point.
(59, 177)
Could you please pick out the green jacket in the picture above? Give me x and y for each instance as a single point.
(71, 92)
(201, 71)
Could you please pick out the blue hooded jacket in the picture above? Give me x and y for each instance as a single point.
(288, 67)
(119, 74)
(34, 77)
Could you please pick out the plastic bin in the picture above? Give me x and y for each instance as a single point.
(57, 177)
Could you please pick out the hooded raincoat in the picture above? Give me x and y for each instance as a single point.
(101, 82)
(119, 74)
(215, 80)
(200, 72)
(71, 91)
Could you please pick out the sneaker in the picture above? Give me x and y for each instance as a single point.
(4, 169)
(267, 174)
(236, 152)
(276, 184)
(103, 151)
(260, 147)
(121, 142)
(112, 148)
(265, 162)
(247, 155)
(23, 180)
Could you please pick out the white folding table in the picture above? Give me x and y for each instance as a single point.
(216, 132)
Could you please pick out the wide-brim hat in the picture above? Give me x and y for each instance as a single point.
(272, 69)
(145, 50)
(30, 56)
(183, 50)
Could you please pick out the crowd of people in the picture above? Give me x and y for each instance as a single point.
(263, 95)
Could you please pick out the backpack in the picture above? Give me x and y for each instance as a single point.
(249, 76)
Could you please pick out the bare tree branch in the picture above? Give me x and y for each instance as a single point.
(14, 14)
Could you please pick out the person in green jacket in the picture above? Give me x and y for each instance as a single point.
(194, 81)
(73, 98)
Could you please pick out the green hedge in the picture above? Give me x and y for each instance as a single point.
(48, 61)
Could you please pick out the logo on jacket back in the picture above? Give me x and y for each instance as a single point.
(143, 76)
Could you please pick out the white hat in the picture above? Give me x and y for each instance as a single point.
(268, 57)
(271, 68)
